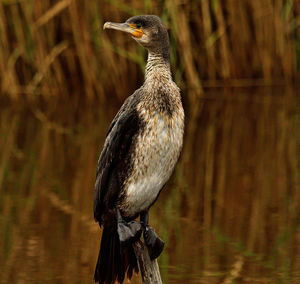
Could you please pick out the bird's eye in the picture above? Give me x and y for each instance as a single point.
(138, 26)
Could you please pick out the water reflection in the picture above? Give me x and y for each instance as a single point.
(229, 213)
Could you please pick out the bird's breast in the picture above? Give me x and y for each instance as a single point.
(157, 148)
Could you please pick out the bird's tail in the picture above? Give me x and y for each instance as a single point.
(113, 260)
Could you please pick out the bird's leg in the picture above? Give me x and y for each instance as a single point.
(128, 232)
(154, 243)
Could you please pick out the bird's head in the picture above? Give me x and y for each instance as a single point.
(147, 30)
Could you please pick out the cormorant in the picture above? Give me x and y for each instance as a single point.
(141, 149)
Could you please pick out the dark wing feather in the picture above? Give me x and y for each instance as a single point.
(114, 154)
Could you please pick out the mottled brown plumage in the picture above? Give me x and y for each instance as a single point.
(139, 155)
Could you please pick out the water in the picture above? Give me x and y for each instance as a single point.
(229, 214)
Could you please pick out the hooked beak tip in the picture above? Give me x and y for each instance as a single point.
(106, 25)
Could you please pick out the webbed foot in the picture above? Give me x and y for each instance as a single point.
(154, 243)
(128, 232)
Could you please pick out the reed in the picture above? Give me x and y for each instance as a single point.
(58, 49)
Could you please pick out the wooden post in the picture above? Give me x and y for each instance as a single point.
(149, 269)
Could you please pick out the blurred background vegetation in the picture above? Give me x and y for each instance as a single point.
(56, 49)
(230, 213)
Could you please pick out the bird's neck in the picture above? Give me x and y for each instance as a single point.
(157, 68)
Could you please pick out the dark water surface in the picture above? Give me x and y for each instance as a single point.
(230, 213)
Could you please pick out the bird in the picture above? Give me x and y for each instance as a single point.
(141, 149)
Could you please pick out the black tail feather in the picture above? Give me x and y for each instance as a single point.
(114, 260)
